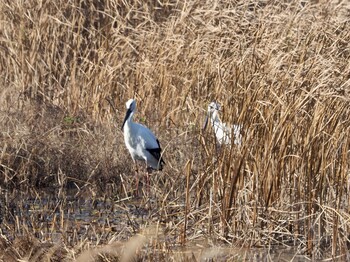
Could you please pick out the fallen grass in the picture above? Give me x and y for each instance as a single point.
(279, 68)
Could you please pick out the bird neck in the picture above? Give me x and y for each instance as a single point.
(129, 121)
(214, 118)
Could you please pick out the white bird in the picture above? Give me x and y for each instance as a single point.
(140, 141)
(222, 131)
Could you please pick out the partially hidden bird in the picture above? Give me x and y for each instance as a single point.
(223, 131)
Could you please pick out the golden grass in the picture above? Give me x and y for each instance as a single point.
(279, 68)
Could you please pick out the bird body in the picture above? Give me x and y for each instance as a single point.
(140, 141)
(223, 132)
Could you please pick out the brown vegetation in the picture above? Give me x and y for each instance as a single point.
(279, 68)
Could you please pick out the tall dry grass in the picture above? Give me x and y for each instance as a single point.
(279, 68)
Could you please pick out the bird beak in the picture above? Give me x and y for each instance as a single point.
(127, 115)
(206, 122)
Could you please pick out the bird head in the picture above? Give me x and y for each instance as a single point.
(131, 104)
(131, 108)
(213, 108)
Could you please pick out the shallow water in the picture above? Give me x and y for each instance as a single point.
(72, 220)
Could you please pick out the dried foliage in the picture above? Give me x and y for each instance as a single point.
(279, 68)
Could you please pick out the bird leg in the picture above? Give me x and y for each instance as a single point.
(145, 180)
(136, 170)
(148, 182)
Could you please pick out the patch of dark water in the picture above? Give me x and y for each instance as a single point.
(54, 217)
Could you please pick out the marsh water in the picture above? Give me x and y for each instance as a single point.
(74, 219)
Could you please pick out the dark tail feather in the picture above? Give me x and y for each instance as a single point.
(157, 154)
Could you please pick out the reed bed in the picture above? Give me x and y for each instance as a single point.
(279, 68)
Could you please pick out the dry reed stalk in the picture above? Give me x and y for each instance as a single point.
(187, 200)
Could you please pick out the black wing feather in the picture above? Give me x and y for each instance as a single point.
(157, 153)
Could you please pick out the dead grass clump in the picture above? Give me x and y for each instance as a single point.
(28, 248)
(47, 144)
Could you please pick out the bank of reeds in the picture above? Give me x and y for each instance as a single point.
(279, 68)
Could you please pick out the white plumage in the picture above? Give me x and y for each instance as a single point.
(222, 131)
(140, 141)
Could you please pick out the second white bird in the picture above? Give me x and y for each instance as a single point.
(222, 131)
